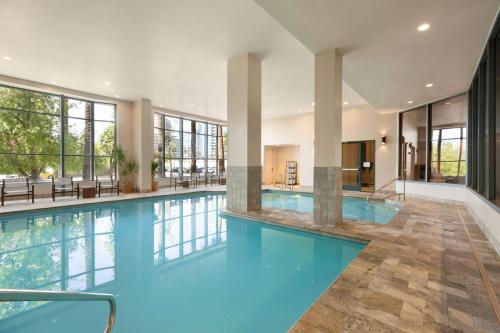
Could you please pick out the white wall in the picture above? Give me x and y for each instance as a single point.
(358, 123)
(290, 131)
(439, 191)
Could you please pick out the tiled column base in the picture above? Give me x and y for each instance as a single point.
(327, 195)
(243, 189)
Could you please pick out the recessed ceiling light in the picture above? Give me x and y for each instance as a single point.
(423, 27)
(107, 83)
(192, 104)
(410, 102)
(7, 58)
(53, 82)
(313, 104)
(345, 103)
(428, 85)
(117, 96)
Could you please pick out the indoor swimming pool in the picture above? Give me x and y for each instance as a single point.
(173, 264)
(352, 208)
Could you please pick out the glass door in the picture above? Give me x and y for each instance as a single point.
(351, 166)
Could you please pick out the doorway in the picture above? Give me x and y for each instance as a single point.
(276, 164)
(358, 165)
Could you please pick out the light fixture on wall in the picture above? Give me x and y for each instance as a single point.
(384, 139)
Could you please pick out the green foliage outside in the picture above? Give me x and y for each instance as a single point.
(37, 133)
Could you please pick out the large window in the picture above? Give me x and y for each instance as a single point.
(186, 146)
(449, 140)
(433, 142)
(44, 134)
(483, 167)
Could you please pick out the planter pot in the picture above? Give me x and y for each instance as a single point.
(127, 188)
(154, 185)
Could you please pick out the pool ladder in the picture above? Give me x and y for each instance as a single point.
(23, 295)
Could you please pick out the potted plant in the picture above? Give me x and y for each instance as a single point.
(127, 171)
(154, 170)
(127, 168)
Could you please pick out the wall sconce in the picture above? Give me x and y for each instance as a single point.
(384, 139)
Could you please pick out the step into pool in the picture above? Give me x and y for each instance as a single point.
(173, 263)
(352, 208)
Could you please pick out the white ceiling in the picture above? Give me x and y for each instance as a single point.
(175, 52)
(387, 61)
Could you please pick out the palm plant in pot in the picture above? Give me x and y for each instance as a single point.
(155, 164)
(127, 168)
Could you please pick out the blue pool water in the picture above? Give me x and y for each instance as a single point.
(174, 264)
(352, 208)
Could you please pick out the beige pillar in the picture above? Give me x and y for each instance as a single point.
(244, 171)
(143, 143)
(328, 137)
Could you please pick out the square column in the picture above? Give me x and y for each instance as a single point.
(328, 137)
(143, 143)
(244, 170)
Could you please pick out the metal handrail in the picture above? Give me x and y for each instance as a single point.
(24, 295)
(387, 184)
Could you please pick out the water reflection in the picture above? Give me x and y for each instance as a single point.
(174, 265)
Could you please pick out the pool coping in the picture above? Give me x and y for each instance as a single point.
(71, 202)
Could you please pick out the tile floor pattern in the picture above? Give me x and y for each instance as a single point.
(417, 274)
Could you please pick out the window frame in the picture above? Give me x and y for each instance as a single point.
(60, 115)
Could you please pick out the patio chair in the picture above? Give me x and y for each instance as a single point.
(206, 178)
(63, 185)
(107, 185)
(219, 179)
(17, 187)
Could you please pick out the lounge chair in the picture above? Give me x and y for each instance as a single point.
(107, 185)
(64, 185)
(17, 187)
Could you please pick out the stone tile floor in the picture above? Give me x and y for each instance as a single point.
(417, 274)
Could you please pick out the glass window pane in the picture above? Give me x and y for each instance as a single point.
(200, 166)
(186, 167)
(212, 147)
(201, 127)
(451, 133)
(158, 120)
(172, 168)
(450, 150)
(77, 108)
(212, 129)
(187, 125)
(77, 137)
(172, 144)
(212, 166)
(32, 166)
(29, 133)
(413, 149)
(104, 138)
(157, 141)
(78, 167)
(104, 111)
(21, 99)
(201, 143)
(172, 123)
(450, 118)
(103, 168)
(189, 142)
